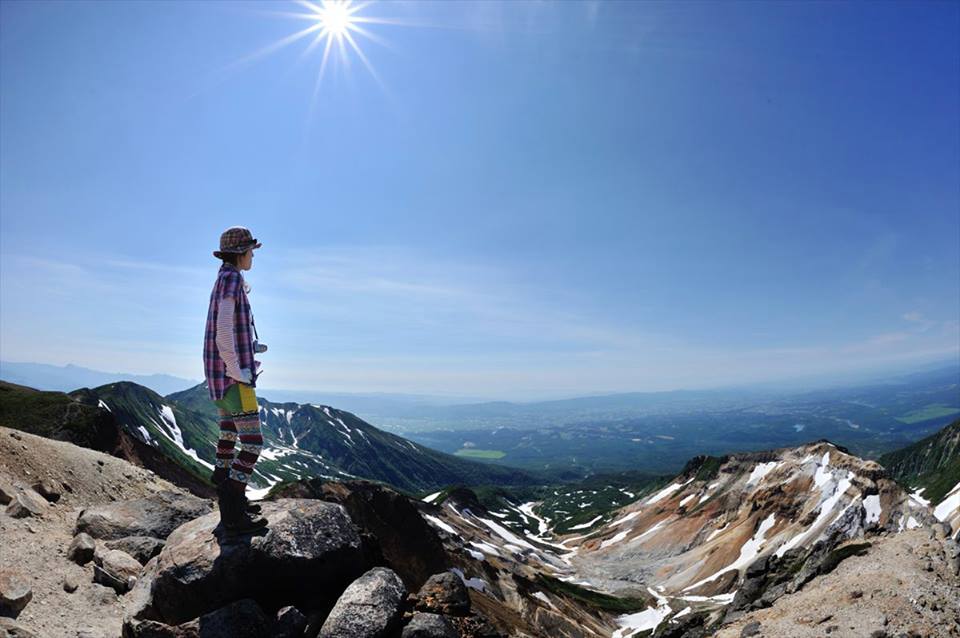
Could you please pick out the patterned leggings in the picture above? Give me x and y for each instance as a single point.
(239, 419)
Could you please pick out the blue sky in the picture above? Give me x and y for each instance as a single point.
(527, 200)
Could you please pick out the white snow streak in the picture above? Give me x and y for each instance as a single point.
(760, 471)
(949, 505)
(586, 525)
(665, 492)
(436, 521)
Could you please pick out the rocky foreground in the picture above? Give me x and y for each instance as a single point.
(94, 547)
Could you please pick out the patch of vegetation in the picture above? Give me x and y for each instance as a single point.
(475, 453)
(710, 468)
(932, 411)
(592, 598)
(56, 415)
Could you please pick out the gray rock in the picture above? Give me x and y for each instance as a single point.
(426, 625)
(444, 593)
(290, 623)
(368, 608)
(750, 629)
(154, 629)
(81, 549)
(309, 554)
(15, 593)
(70, 583)
(27, 503)
(48, 489)
(941, 530)
(7, 491)
(156, 515)
(139, 599)
(115, 568)
(143, 548)
(240, 619)
(10, 628)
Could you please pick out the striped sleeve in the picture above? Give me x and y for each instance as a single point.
(226, 339)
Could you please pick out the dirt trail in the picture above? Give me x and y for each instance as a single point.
(36, 547)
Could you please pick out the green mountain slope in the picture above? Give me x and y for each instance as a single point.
(300, 440)
(932, 463)
(55, 415)
(336, 444)
(180, 434)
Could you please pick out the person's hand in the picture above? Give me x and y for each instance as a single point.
(243, 375)
(259, 347)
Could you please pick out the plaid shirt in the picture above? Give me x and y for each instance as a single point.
(229, 284)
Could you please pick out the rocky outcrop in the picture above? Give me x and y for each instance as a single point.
(369, 608)
(308, 556)
(156, 516)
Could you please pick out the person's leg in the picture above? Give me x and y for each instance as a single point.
(247, 423)
(231, 408)
(226, 446)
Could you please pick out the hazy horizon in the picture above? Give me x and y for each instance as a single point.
(790, 385)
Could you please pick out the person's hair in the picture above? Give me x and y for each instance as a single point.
(231, 258)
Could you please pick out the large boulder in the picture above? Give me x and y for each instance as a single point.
(156, 515)
(408, 544)
(369, 608)
(310, 552)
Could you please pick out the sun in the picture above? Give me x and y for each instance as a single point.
(336, 27)
(336, 17)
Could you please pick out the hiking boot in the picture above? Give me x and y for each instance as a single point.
(219, 476)
(248, 507)
(234, 519)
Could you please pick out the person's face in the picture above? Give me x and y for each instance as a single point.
(246, 260)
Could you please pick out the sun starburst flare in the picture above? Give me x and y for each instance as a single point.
(337, 27)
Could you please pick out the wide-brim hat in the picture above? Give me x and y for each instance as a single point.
(236, 240)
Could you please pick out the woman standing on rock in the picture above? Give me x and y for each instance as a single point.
(231, 372)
